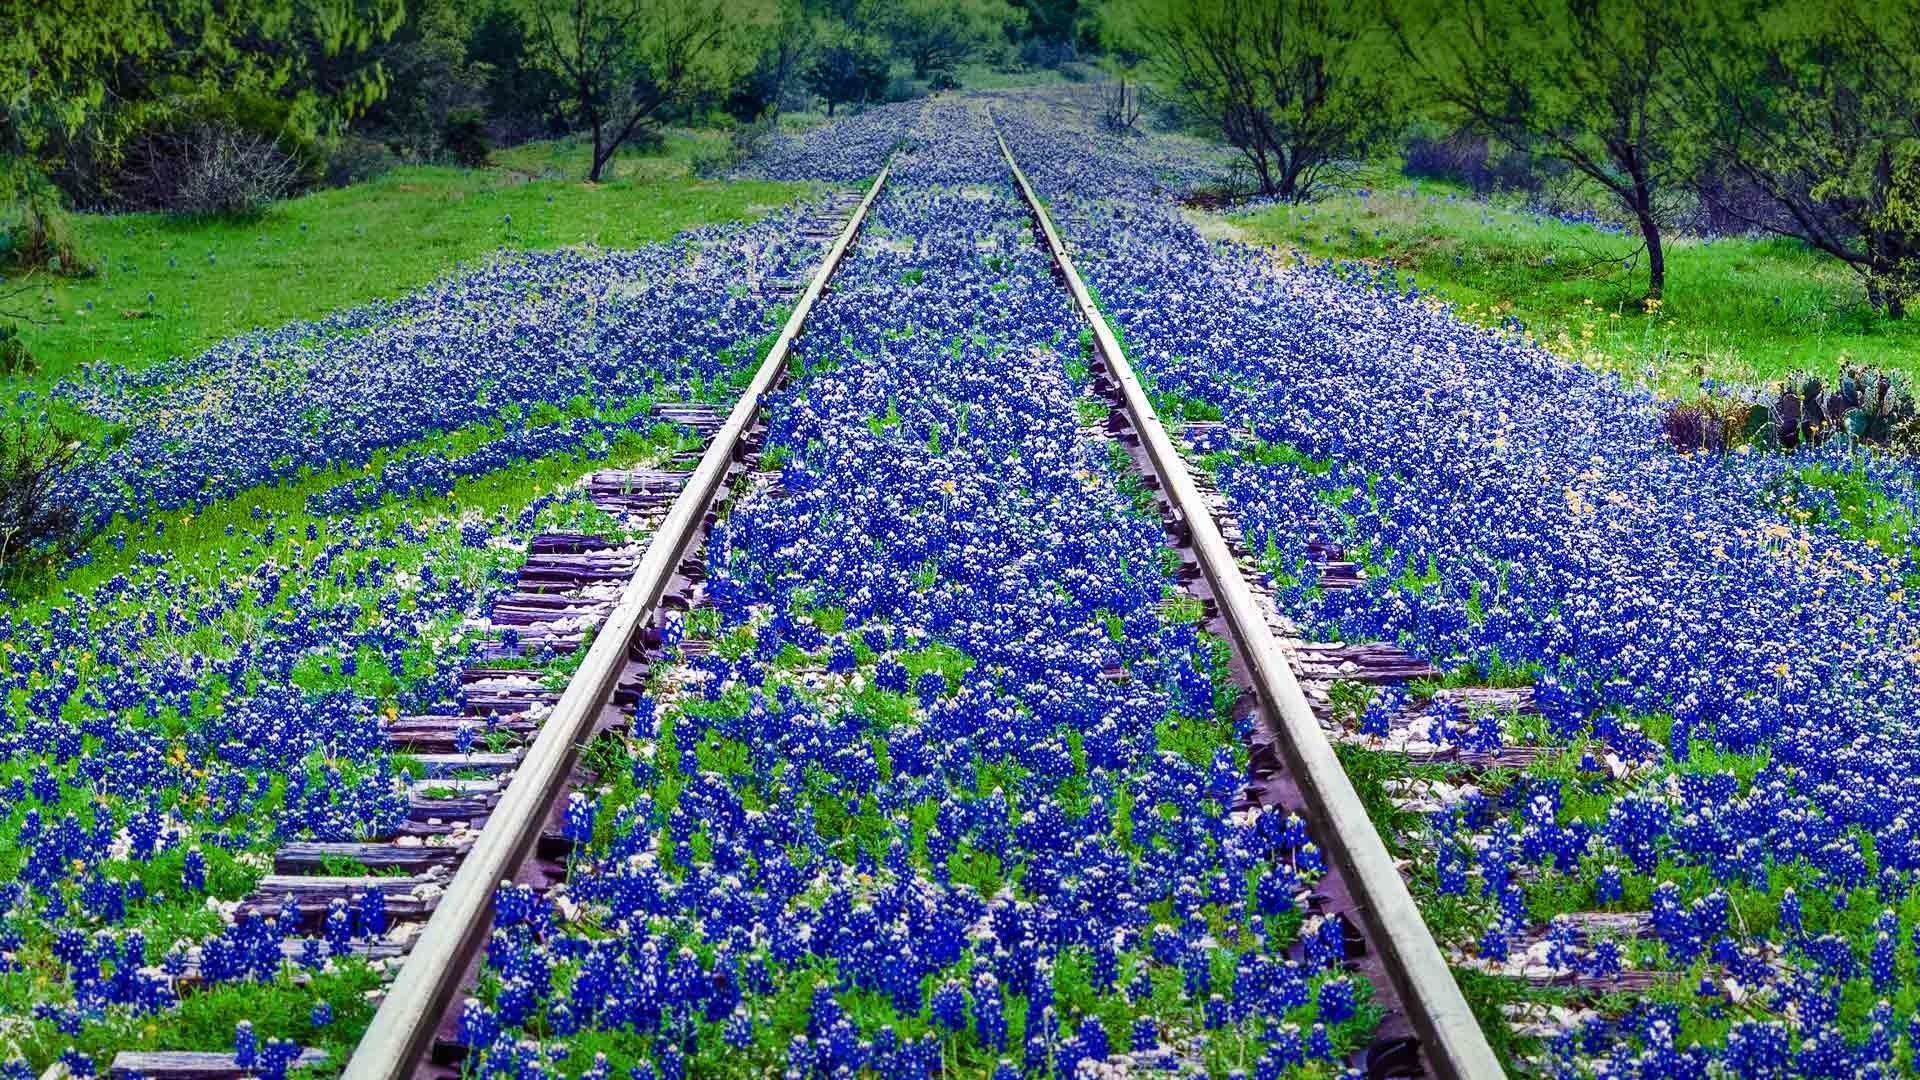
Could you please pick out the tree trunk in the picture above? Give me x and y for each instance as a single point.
(1649, 230)
(1261, 168)
(1893, 271)
(1290, 171)
(599, 162)
(1888, 288)
(1656, 257)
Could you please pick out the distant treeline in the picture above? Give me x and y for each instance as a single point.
(1775, 115)
(154, 104)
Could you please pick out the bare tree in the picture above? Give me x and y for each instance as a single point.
(1119, 104)
(626, 63)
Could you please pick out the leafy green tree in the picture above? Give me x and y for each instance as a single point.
(78, 77)
(847, 67)
(627, 62)
(524, 97)
(1291, 84)
(1814, 108)
(1589, 83)
(1052, 20)
(781, 68)
(436, 87)
(939, 35)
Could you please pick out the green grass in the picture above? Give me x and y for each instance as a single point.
(345, 246)
(1746, 310)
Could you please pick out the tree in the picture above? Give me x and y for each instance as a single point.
(1052, 20)
(781, 66)
(524, 97)
(435, 86)
(937, 35)
(848, 67)
(1813, 107)
(1584, 82)
(78, 78)
(626, 62)
(1286, 82)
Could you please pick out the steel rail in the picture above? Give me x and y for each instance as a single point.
(405, 1024)
(1453, 1043)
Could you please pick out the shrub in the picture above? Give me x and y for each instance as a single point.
(943, 79)
(743, 142)
(1468, 158)
(1039, 53)
(38, 515)
(40, 237)
(901, 88)
(14, 357)
(352, 159)
(208, 169)
(465, 136)
(1119, 106)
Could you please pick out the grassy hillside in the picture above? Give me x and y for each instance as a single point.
(1736, 308)
(170, 286)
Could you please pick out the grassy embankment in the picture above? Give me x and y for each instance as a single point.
(1738, 309)
(170, 286)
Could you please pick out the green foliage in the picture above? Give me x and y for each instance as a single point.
(1053, 20)
(776, 77)
(15, 359)
(1297, 86)
(521, 95)
(847, 67)
(1587, 85)
(40, 236)
(436, 104)
(466, 137)
(628, 62)
(938, 35)
(1811, 107)
(78, 79)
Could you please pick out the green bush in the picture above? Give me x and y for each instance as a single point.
(38, 518)
(465, 135)
(40, 235)
(352, 159)
(14, 357)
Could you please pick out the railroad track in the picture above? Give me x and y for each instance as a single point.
(483, 818)
(486, 808)
(1293, 762)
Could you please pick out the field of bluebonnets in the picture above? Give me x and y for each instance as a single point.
(941, 784)
(898, 817)
(304, 522)
(1724, 671)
